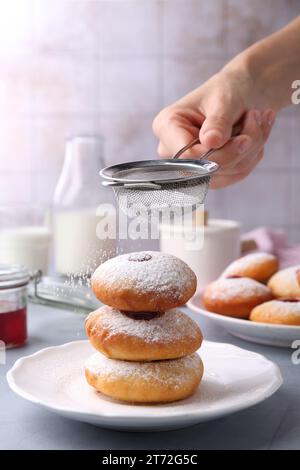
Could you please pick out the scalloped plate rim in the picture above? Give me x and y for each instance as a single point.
(184, 415)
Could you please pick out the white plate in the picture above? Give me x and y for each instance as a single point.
(234, 379)
(262, 333)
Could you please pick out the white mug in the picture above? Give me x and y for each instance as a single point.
(219, 244)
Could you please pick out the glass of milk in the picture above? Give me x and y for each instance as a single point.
(25, 237)
(78, 250)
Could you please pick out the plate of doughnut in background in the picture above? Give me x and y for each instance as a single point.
(254, 300)
(145, 365)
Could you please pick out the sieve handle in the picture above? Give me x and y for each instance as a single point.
(235, 131)
(186, 147)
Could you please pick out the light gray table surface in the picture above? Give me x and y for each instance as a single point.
(273, 424)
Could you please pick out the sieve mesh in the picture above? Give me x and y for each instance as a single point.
(161, 173)
(171, 196)
(167, 185)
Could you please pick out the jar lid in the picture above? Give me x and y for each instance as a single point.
(13, 276)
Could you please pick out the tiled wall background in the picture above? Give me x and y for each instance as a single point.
(108, 66)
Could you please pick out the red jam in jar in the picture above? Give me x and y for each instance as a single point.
(13, 300)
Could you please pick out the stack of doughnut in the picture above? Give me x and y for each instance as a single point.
(146, 347)
(253, 288)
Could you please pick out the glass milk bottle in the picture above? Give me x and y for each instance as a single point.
(78, 248)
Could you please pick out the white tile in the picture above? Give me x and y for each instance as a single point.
(129, 86)
(16, 85)
(16, 144)
(248, 22)
(294, 235)
(181, 74)
(293, 8)
(49, 143)
(15, 188)
(16, 27)
(247, 228)
(126, 246)
(63, 83)
(261, 199)
(130, 27)
(43, 187)
(67, 25)
(295, 197)
(279, 146)
(216, 204)
(128, 138)
(193, 27)
(82, 125)
(50, 134)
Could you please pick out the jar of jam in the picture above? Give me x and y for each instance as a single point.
(13, 305)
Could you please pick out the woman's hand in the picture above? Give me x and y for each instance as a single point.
(210, 112)
(248, 90)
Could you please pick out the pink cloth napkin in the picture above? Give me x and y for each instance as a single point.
(275, 241)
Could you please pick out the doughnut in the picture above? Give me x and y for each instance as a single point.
(235, 297)
(282, 312)
(147, 281)
(286, 283)
(144, 382)
(257, 266)
(166, 335)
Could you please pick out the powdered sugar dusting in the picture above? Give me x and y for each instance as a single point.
(252, 260)
(172, 326)
(226, 289)
(174, 372)
(288, 276)
(160, 274)
(284, 308)
(285, 283)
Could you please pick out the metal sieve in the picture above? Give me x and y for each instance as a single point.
(143, 186)
(148, 185)
(161, 185)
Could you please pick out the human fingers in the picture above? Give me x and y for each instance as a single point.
(219, 181)
(176, 127)
(221, 111)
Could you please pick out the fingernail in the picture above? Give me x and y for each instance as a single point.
(270, 117)
(213, 132)
(257, 117)
(242, 145)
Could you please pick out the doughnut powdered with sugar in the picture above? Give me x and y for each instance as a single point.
(154, 337)
(257, 266)
(144, 382)
(280, 312)
(235, 297)
(148, 281)
(286, 283)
